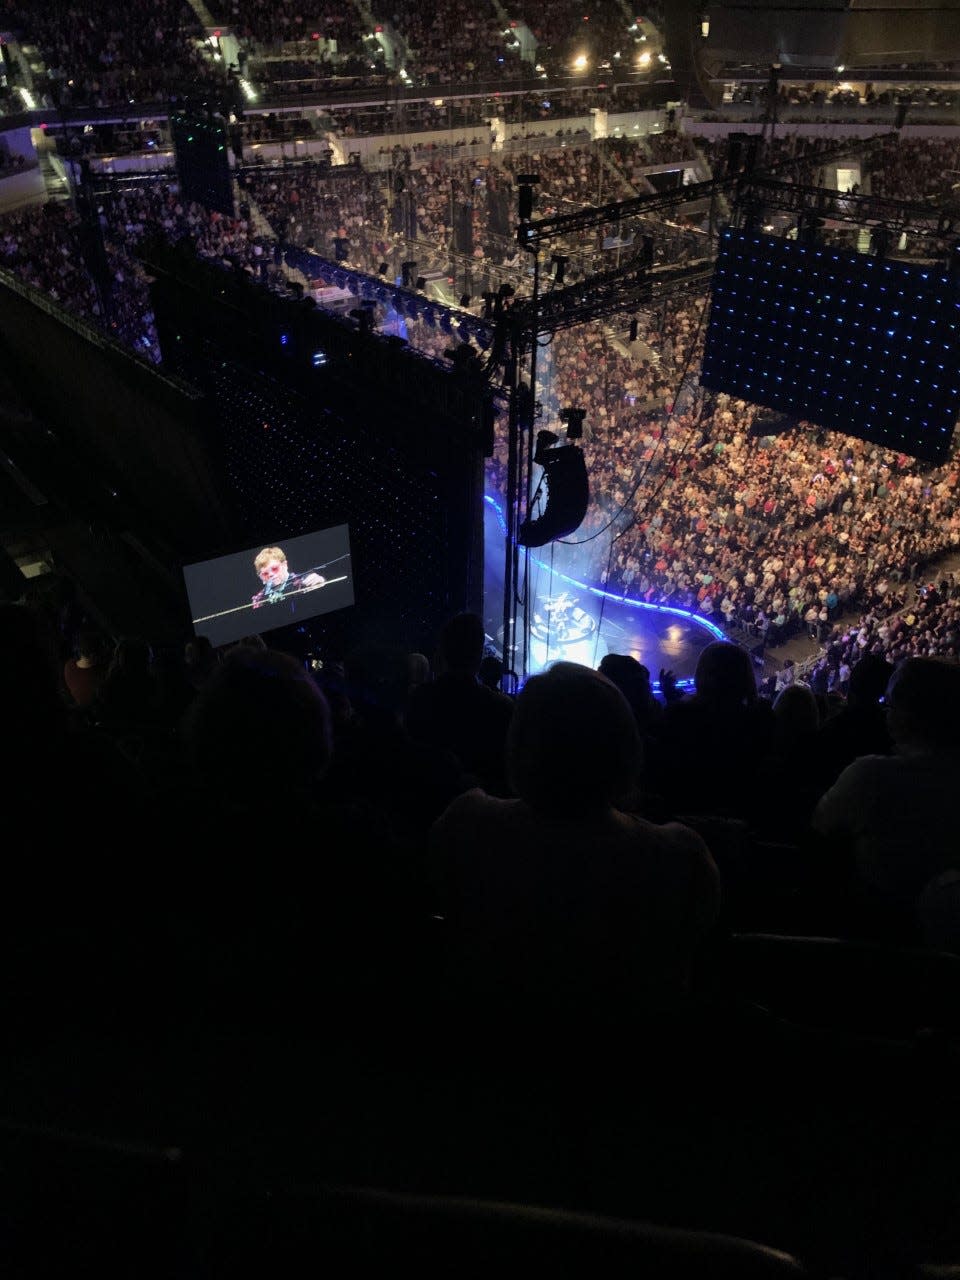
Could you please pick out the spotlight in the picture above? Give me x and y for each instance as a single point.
(559, 262)
(464, 299)
(421, 282)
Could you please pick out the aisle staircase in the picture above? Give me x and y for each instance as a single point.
(204, 16)
(51, 169)
(612, 167)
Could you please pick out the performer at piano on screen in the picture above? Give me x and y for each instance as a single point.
(278, 582)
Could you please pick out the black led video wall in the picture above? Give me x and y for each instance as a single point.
(854, 343)
(317, 426)
(203, 165)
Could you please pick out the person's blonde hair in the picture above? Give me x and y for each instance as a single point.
(268, 554)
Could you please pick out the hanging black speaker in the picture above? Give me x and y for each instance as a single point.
(568, 495)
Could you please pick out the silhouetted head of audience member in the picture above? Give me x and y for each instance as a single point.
(250, 642)
(378, 681)
(93, 646)
(573, 748)
(132, 655)
(258, 732)
(923, 704)
(868, 682)
(461, 644)
(632, 678)
(724, 676)
(418, 670)
(796, 713)
(201, 659)
(491, 671)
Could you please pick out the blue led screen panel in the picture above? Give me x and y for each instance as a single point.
(854, 343)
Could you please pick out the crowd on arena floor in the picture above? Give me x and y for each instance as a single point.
(929, 627)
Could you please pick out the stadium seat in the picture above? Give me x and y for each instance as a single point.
(832, 984)
(442, 1236)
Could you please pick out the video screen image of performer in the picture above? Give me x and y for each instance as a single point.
(317, 579)
(278, 580)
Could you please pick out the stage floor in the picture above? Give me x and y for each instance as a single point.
(575, 621)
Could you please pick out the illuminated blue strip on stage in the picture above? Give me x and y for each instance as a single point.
(712, 627)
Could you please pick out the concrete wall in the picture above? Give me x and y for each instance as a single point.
(25, 187)
(19, 142)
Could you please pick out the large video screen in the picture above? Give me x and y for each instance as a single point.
(270, 585)
(848, 341)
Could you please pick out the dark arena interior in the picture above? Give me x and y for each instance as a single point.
(480, 595)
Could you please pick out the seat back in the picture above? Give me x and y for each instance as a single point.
(443, 1236)
(858, 987)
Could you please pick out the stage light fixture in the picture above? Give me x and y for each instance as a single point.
(421, 282)
(408, 273)
(559, 263)
(526, 182)
(364, 319)
(465, 299)
(383, 268)
(573, 418)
